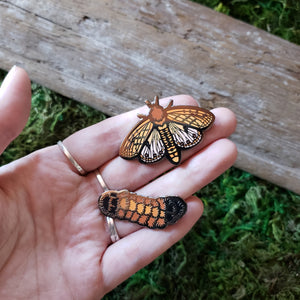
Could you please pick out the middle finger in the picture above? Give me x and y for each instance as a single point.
(119, 173)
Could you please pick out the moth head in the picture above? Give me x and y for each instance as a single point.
(156, 113)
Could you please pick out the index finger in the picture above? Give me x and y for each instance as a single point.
(95, 145)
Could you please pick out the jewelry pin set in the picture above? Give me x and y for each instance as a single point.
(164, 132)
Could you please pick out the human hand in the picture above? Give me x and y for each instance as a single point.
(54, 243)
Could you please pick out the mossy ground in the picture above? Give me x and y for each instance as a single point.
(279, 17)
(247, 244)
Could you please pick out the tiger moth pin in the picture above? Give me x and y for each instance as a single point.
(165, 132)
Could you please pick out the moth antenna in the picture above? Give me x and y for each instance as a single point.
(141, 116)
(170, 103)
(148, 103)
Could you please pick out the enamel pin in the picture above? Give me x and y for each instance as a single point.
(165, 132)
(154, 213)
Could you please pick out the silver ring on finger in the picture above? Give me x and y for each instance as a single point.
(114, 236)
(71, 159)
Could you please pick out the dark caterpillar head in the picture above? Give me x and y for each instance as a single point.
(108, 203)
(175, 209)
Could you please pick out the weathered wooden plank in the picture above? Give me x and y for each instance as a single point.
(114, 54)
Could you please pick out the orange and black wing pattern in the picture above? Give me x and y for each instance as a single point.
(132, 144)
(165, 132)
(193, 116)
(154, 213)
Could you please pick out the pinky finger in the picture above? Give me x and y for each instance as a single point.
(141, 247)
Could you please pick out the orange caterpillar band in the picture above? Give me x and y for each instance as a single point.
(150, 212)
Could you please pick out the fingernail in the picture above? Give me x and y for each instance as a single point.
(9, 76)
(8, 79)
(12, 69)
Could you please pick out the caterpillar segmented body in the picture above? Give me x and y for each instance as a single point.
(151, 212)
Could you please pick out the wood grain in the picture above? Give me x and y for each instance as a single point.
(115, 54)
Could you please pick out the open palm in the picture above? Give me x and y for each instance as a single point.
(54, 242)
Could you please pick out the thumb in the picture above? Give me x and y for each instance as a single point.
(15, 102)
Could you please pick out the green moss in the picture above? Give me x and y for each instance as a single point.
(279, 17)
